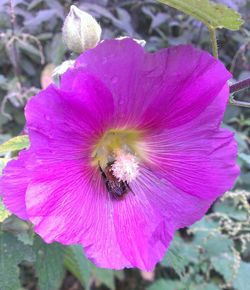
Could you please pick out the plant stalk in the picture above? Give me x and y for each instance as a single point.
(13, 30)
(213, 39)
(241, 85)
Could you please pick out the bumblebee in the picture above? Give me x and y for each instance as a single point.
(117, 188)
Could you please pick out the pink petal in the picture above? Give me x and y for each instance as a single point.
(67, 203)
(190, 80)
(198, 158)
(169, 87)
(142, 232)
(13, 185)
(128, 72)
(63, 123)
(176, 208)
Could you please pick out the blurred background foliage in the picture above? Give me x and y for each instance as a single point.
(212, 254)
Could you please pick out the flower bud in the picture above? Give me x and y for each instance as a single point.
(80, 30)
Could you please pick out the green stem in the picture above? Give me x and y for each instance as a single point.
(237, 103)
(213, 39)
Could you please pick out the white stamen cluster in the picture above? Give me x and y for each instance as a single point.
(125, 167)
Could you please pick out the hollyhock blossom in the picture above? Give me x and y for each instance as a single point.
(126, 151)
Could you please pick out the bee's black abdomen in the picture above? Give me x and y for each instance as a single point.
(116, 188)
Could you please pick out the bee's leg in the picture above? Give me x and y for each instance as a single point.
(102, 172)
(107, 184)
(129, 187)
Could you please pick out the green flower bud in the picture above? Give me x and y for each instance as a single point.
(80, 30)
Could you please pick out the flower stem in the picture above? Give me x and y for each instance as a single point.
(213, 39)
(13, 32)
(237, 103)
(241, 85)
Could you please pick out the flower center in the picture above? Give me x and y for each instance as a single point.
(122, 149)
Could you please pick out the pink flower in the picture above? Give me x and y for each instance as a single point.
(128, 150)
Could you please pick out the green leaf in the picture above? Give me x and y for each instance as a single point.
(200, 286)
(49, 264)
(3, 162)
(29, 48)
(179, 255)
(207, 235)
(4, 213)
(27, 237)
(76, 263)
(203, 229)
(217, 244)
(245, 158)
(223, 264)
(211, 14)
(230, 208)
(2, 81)
(15, 144)
(210, 286)
(167, 285)
(12, 253)
(242, 280)
(58, 49)
(105, 277)
(85, 271)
